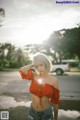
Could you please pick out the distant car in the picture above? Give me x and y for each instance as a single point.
(71, 62)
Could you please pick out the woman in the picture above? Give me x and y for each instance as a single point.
(44, 89)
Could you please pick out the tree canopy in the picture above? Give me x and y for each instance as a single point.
(2, 15)
(62, 44)
(12, 57)
(71, 42)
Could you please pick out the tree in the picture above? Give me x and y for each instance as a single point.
(6, 54)
(66, 43)
(49, 47)
(20, 58)
(70, 42)
(62, 44)
(12, 57)
(42, 48)
(2, 15)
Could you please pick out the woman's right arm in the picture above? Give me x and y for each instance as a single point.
(26, 72)
(26, 68)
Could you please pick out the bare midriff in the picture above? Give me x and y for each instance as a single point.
(40, 104)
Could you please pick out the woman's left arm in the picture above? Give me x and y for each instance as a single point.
(55, 111)
(55, 105)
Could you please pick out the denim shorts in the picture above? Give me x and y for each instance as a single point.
(47, 114)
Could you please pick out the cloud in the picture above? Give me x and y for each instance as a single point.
(21, 4)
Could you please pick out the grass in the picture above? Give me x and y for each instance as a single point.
(75, 69)
(9, 69)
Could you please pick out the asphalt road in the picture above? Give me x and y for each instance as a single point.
(11, 82)
(14, 92)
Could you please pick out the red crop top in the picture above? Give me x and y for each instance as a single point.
(42, 90)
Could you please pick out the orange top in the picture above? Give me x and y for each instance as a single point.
(41, 90)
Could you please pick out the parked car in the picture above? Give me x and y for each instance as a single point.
(60, 68)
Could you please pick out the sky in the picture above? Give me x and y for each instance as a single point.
(33, 21)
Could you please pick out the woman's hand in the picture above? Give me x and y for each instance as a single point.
(25, 68)
(32, 65)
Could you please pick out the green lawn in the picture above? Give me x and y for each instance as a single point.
(75, 69)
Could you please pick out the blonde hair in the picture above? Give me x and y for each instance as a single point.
(42, 58)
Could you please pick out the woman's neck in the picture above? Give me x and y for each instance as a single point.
(43, 74)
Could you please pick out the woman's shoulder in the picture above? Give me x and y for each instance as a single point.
(53, 81)
(53, 78)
